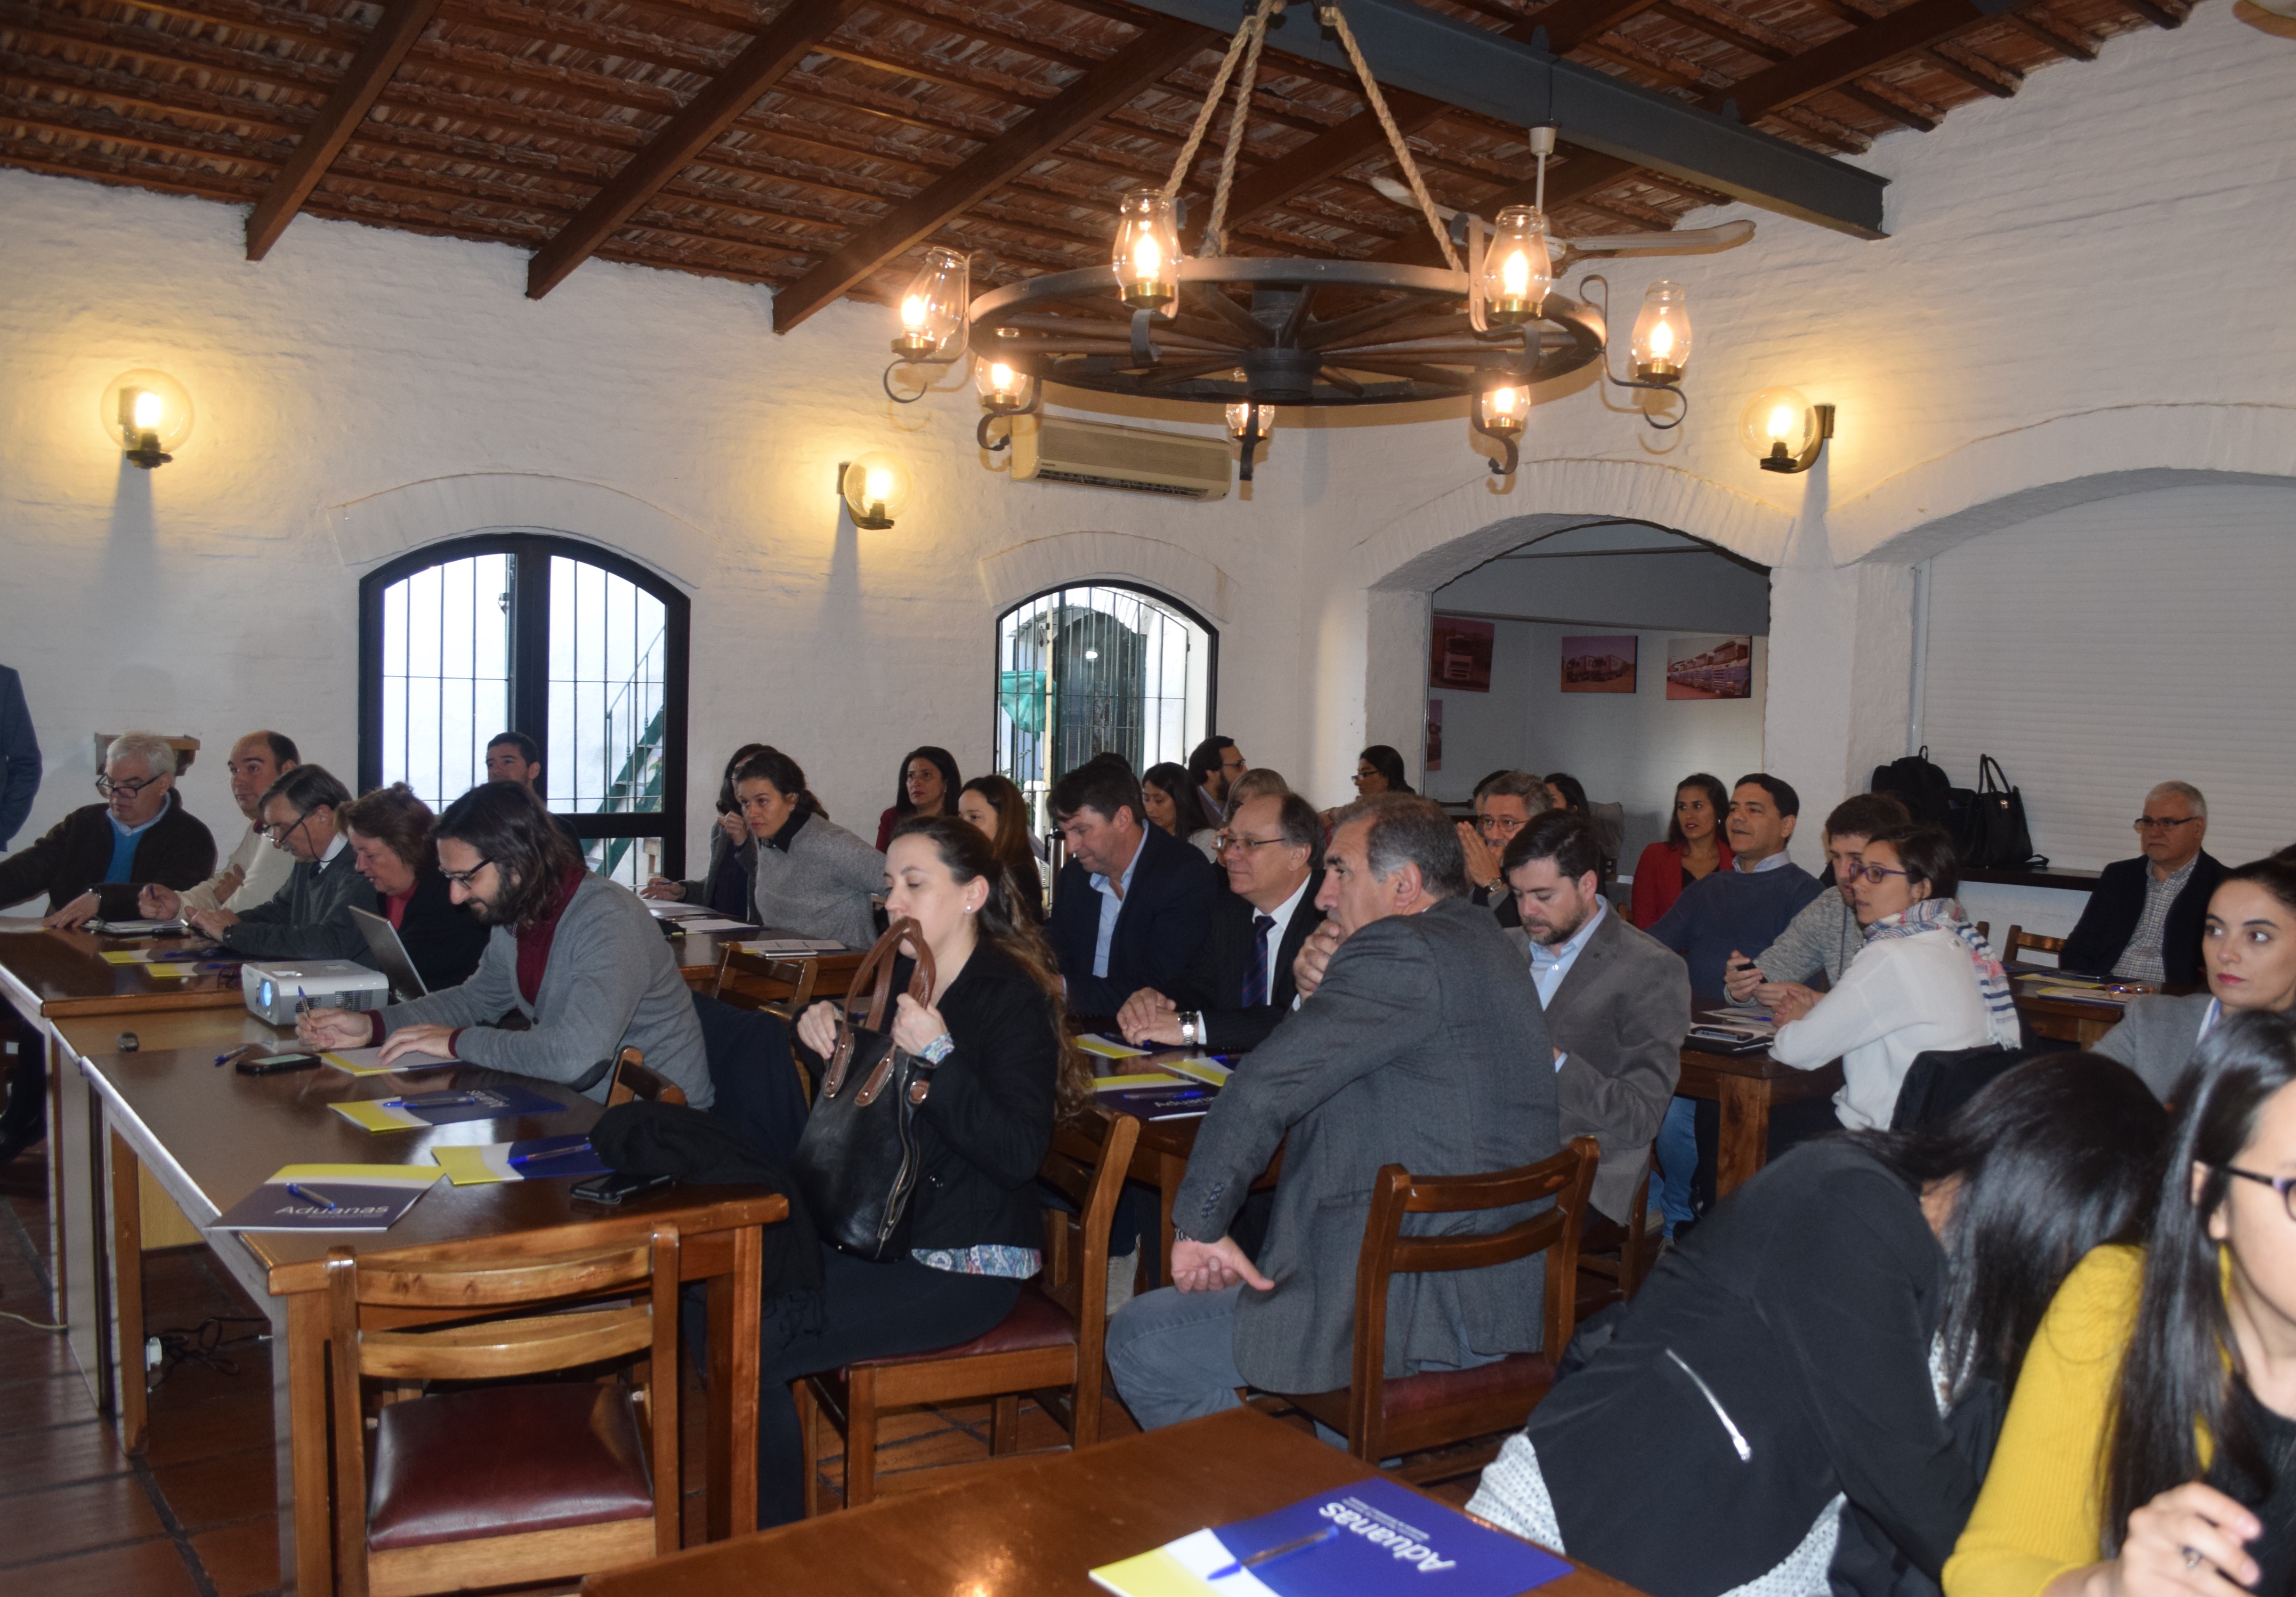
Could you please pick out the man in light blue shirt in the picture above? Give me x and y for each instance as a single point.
(1112, 890)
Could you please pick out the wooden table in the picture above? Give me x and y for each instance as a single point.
(211, 1136)
(2083, 1022)
(1160, 1156)
(1032, 1526)
(1747, 1087)
(698, 954)
(58, 978)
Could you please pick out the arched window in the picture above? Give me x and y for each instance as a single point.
(580, 649)
(1096, 668)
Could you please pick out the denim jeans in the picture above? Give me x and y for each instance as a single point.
(1173, 1354)
(1677, 1162)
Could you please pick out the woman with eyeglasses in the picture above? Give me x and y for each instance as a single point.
(2247, 953)
(2149, 1448)
(1924, 980)
(1378, 769)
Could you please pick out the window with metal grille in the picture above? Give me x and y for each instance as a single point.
(582, 650)
(1099, 669)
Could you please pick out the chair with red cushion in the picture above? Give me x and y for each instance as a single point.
(1441, 1409)
(1050, 1345)
(487, 1486)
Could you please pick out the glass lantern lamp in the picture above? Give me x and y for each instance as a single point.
(933, 305)
(1250, 424)
(147, 415)
(1502, 411)
(1002, 386)
(1517, 267)
(1147, 251)
(1661, 345)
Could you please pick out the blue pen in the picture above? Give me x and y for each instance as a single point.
(311, 1195)
(1268, 1555)
(549, 1153)
(433, 1101)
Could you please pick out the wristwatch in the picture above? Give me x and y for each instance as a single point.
(1192, 1028)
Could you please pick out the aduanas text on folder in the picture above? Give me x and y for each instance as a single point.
(1372, 1538)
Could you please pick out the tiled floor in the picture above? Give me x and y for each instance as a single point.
(194, 1514)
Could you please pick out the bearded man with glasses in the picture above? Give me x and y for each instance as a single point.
(2143, 920)
(94, 861)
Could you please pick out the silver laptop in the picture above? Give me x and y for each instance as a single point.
(388, 955)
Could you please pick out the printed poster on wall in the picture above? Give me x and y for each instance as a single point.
(1434, 733)
(1603, 663)
(1460, 654)
(1708, 665)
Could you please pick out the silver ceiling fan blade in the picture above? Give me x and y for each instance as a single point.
(1401, 195)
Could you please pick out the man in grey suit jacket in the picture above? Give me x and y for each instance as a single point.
(1616, 1001)
(1419, 1042)
(309, 917)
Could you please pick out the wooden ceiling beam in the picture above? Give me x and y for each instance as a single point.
(402, 22)
(1160, 47)
(1913, 30)
(712, 110)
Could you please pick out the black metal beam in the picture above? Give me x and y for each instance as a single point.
(1427, 53)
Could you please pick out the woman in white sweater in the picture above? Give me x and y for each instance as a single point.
(1924, 980)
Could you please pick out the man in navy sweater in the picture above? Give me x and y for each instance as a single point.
(1716, 918)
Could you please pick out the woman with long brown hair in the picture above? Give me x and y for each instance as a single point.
(996, 808)
(1005, 1071)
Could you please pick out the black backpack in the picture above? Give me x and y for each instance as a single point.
(1924, 788)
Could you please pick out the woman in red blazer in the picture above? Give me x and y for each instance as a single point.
(1694, 848)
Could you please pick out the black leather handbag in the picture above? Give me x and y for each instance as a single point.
(1998, 836)
(856, 1162)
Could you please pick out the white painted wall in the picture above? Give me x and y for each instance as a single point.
(2082, 297)
(1626, 748)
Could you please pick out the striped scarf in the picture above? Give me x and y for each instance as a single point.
(1945, 915)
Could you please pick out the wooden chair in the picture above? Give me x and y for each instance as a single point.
(488, 1485)
(780, 987)
(1604, 1279)
(1050, 1345)
(1985, 930)
(1440, 1409)
(632, 1079)
(2020, 940)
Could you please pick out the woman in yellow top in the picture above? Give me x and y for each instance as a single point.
(2155, 1420)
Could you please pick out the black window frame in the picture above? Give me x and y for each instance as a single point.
(529, 667)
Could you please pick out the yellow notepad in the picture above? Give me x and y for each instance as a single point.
(1107, 1049)
(1211, 1072)
(373, 1115)
(1121, 1083)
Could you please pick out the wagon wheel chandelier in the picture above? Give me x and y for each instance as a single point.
(1251, 333)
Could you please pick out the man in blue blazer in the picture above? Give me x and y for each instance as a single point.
(1133, 902)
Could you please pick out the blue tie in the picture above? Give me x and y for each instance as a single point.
(1255, 986)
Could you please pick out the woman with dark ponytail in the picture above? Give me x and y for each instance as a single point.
(811, 877)
(2155, 1420)
(1005, 1073)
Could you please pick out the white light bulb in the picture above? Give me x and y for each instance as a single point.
(1661, 341)
(1091, 654)
(913, 309)
(1514, 275)
(151, 410)
(1503, 402)
(1782, 423)
(1147, 255)
(877, 485)
(1000, 377)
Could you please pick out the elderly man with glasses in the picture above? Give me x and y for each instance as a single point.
(2143, 919)
(309, 918)
(94, 861)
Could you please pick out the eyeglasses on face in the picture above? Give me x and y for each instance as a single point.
(107, 786)
(1874, 875)
(462, 878)
(1503, 825)
(2161, 823)
(2285, 1185)
(1229, 840)
(280, 831)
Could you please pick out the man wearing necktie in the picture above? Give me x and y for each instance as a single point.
(1238, 985)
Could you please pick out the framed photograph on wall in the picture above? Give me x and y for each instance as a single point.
(1603, 663)
(1434, 733)
(1459, 656)
(1709, 665)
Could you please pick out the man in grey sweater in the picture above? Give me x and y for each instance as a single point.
(1825, 935)
(576, 955)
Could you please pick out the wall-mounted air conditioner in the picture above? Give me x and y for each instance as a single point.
(1057, 449)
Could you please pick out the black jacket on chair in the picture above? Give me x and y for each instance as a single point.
(176, 851)
(2117, 903)
(1214, 980)
(445, 940)
(1158, 929)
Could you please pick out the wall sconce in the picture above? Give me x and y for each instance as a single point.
(875, 488)
(1251, 425)
(1500, 414)
(1783, 430)
(147, 415)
